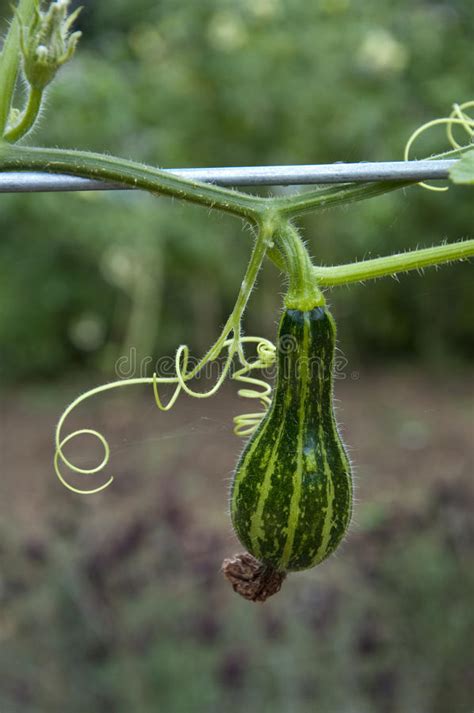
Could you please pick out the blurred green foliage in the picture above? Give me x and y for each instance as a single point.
(84, 277)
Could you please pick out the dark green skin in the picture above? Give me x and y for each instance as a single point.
(291, 499)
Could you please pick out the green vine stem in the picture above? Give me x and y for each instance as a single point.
(132, 175)
(136, 175)
(28, 117)
(254, 209)
(321, 198)
(393, 264)
(303, 291)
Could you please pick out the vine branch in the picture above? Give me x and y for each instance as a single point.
(133, 175)
(255, 209)
(393, 264)
(321, 198)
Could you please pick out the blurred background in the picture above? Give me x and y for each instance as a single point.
(116, 602)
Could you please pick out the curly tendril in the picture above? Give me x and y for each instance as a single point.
(59, 456)
(230, 339)
(182, 376)
(458, 117)
(245, 424)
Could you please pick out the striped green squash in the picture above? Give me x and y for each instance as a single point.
(291, 499)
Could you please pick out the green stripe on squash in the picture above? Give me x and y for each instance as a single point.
(291, 499)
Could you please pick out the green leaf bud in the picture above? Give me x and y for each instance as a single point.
(47, 43)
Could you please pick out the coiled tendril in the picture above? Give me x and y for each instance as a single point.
(458, 117)
(230, 340)
(244, 424)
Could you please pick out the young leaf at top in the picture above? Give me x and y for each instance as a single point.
(47, 43)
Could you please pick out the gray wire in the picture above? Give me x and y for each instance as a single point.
(33, 181)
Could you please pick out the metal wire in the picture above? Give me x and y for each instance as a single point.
(33, 181)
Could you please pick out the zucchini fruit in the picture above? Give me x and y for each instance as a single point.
(291, 497)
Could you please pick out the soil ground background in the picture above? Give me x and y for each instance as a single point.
(115, 602)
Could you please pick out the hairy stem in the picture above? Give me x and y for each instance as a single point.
(303, 293)
(263, 241)
(321, 198)
(393, 264)
(28, 118)
(132, 175)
